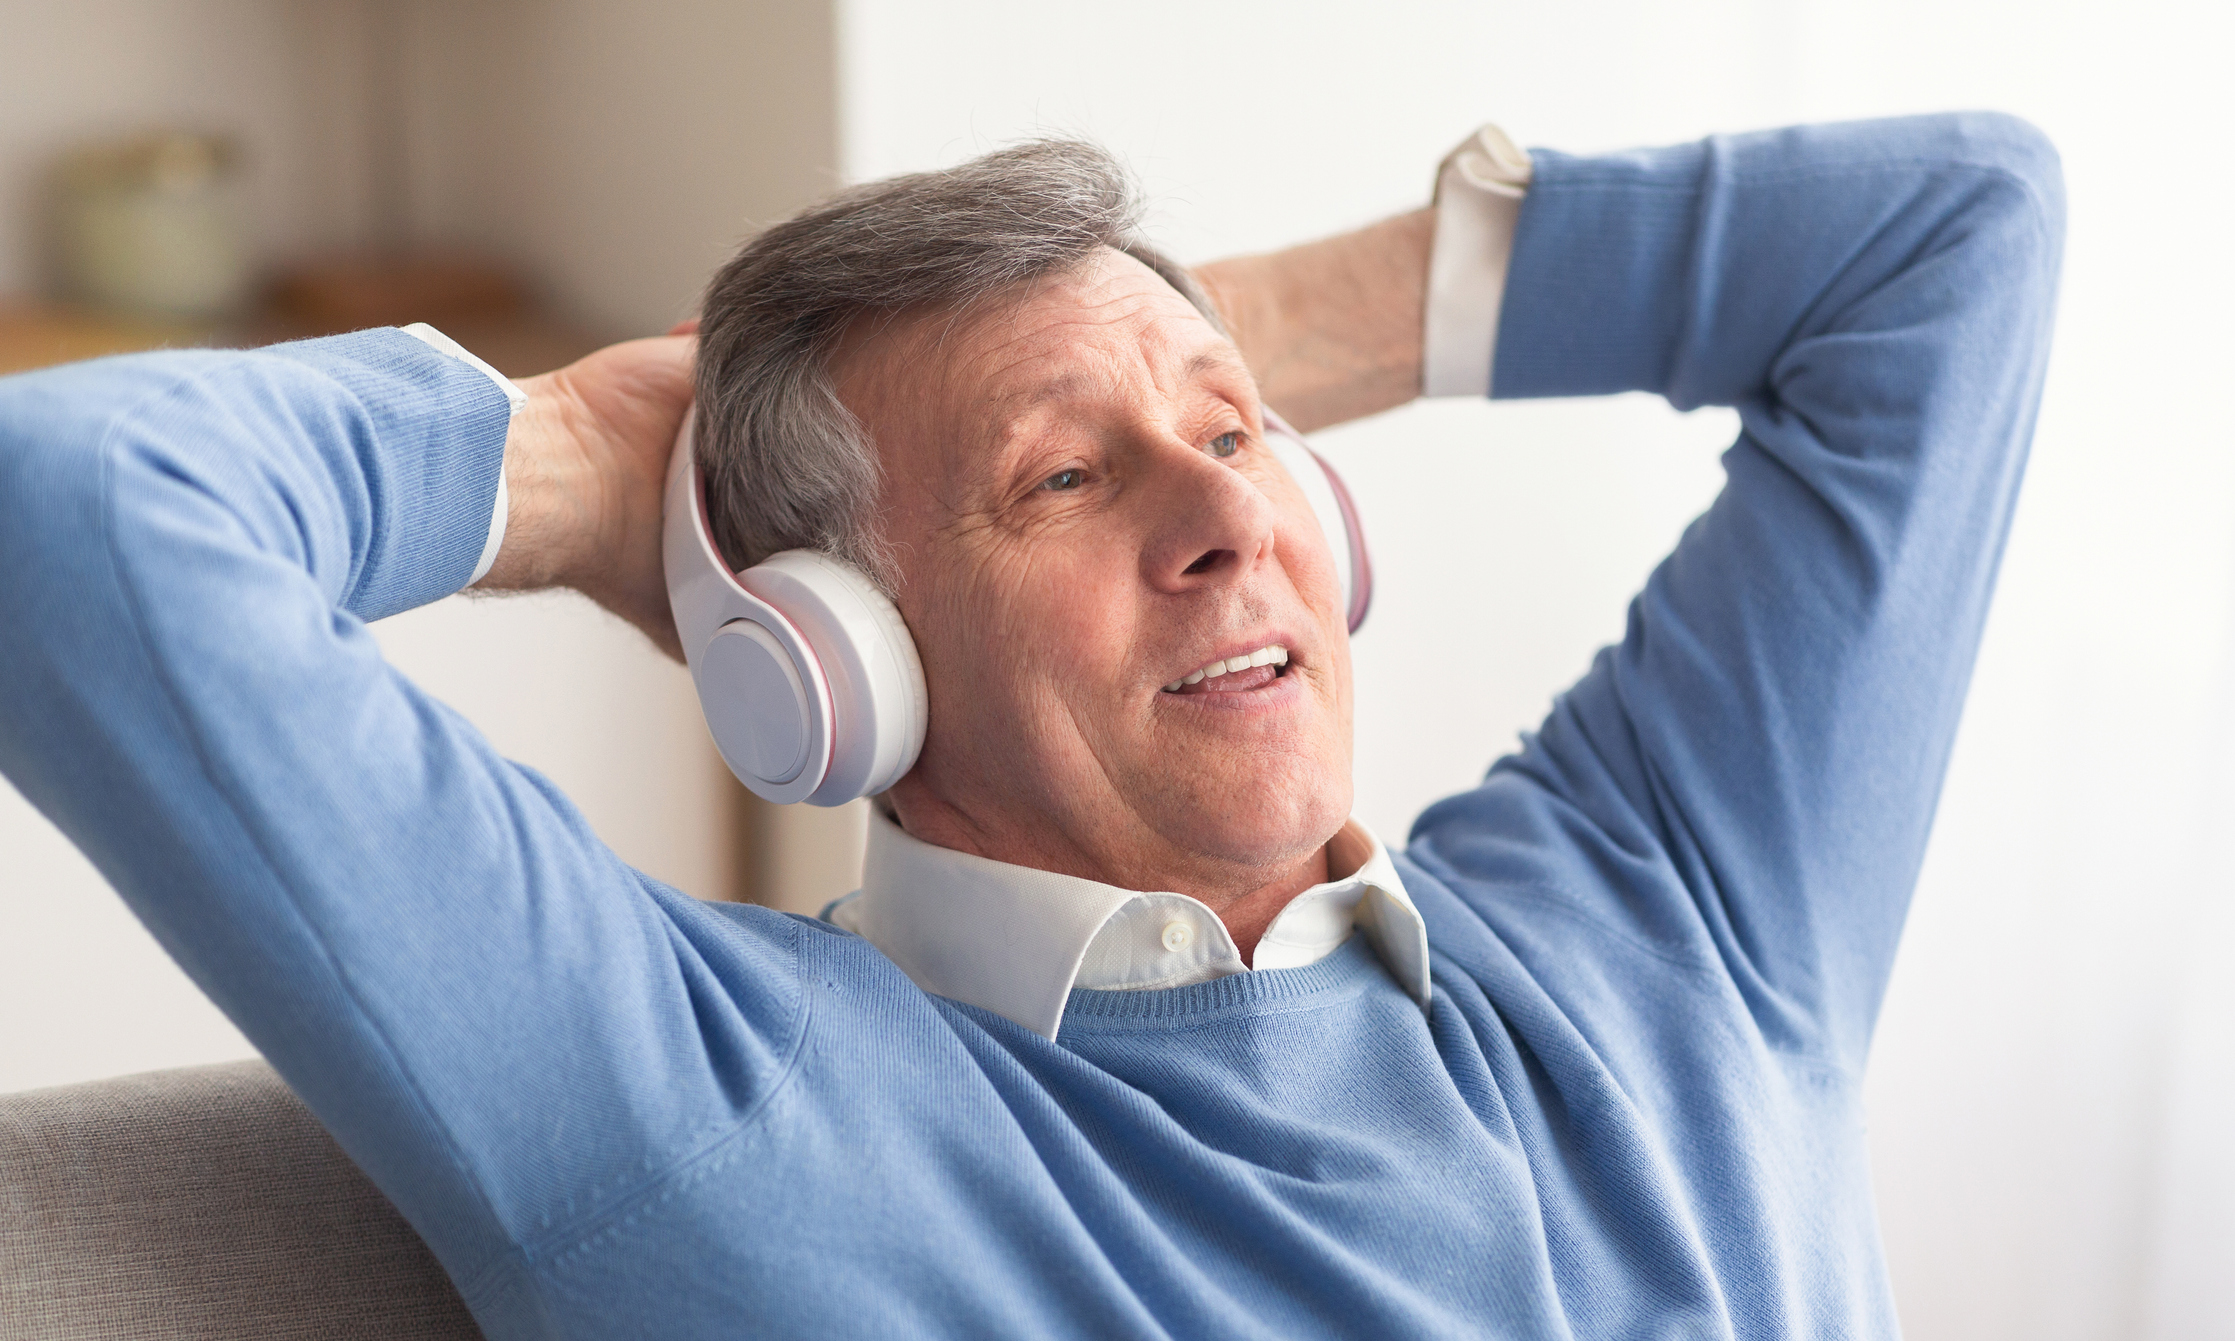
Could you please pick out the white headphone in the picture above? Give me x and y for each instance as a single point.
(807, 674)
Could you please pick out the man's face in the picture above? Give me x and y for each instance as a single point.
(1084, 512)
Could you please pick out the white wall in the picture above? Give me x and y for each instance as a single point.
(2052, 1085)
(621, 151)
(2057, 1031)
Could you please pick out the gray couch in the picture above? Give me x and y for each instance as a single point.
(205, 1202)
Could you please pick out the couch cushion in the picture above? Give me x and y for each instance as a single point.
(203, 1202)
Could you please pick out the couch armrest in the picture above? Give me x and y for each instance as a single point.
(204, 1202)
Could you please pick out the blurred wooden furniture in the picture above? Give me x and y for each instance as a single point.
(519, 343)
(37, 335)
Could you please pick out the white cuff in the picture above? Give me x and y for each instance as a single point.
(515, 398)
(1478, 201)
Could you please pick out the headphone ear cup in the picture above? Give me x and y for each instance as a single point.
(759, 681)
(879, 705)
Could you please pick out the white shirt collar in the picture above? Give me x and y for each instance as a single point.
(1015, 941)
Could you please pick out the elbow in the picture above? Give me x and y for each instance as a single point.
(1986, 196)
(2019, 156)
(2025, 153)
(52, 527)
(49, 463)
(58, 472)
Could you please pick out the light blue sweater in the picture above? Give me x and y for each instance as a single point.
(1659, 932)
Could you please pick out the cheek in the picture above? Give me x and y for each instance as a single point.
(1021, 637)
(1311, 567)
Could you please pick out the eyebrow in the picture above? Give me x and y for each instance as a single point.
(1217, 358)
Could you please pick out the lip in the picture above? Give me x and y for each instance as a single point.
(1275, 693)
(1277, 696)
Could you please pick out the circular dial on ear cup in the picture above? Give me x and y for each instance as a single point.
(754, 701)
(865, 653)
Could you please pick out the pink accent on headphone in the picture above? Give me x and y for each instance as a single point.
(1361, 562)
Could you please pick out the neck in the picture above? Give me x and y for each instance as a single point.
(1247, 916)
(1246, 898)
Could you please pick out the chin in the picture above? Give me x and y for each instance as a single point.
(1281, 815)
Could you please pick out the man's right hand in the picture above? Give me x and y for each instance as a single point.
(586, 466)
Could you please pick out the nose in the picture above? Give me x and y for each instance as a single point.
(1211, 522)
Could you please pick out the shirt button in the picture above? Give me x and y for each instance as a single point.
(1178, 936)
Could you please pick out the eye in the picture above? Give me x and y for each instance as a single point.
(1064, 479)
(1226, 444)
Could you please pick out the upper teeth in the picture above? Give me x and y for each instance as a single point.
(1275, 655)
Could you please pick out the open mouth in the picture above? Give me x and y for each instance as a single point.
(1250, 670)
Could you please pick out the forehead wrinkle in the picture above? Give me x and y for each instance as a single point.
(1106, 367)
(1054, 338)
(942, 337)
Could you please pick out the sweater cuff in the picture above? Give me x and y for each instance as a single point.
(1479, 189)
(515, 398)
(428, 453)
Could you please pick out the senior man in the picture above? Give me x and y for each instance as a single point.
(1129, 1032)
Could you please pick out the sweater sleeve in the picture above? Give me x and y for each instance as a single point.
(1875, 299)
(503, 1024)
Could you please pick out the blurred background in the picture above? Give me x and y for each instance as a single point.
(2052, 1097)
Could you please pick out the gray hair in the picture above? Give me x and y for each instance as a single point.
(786, 465)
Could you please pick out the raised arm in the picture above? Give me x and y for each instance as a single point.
(1876, 301)
(503, 1024)
(1333, 328)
